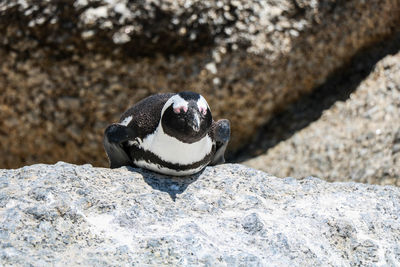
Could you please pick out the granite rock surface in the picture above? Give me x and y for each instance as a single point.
(69, 68)
(229, 215)
(357, 138)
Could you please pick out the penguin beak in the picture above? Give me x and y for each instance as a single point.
(194, 121)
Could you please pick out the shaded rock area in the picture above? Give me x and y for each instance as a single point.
(347, 129)
(228, 215)
(69, 68)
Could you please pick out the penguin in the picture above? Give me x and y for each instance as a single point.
(171, 133)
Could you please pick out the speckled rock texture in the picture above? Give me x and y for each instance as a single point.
(229, 215)
(357, 138)
(69, 68)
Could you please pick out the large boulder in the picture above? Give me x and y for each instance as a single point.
(69, 68)
(228, 215)
(357, 138)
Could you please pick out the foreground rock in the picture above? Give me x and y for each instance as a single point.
(69, 68)
(230, 215)
(357, 138)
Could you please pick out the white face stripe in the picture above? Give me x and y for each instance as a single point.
(176, 101)
(179, 101)
(202, 103)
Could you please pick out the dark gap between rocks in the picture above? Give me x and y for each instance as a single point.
(309, 108)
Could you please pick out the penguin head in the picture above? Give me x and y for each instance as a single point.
(186, 116)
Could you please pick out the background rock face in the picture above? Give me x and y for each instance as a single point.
(228, 215)
(357, 138)
(68, 70)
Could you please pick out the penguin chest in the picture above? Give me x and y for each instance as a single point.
(166, 154)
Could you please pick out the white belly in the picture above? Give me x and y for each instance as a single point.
(174, 151)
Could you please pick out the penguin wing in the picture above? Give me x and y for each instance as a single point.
(138, 121)
(145, 116)
(114, 136)
(221, 131)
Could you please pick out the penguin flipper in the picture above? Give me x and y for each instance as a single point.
(222, 133)
(114, 136)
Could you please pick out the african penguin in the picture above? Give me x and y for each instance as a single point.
(172, 134)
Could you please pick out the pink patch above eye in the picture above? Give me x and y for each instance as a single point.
(177, 110)
(203, 110)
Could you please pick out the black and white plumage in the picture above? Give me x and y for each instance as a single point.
(173, 134)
